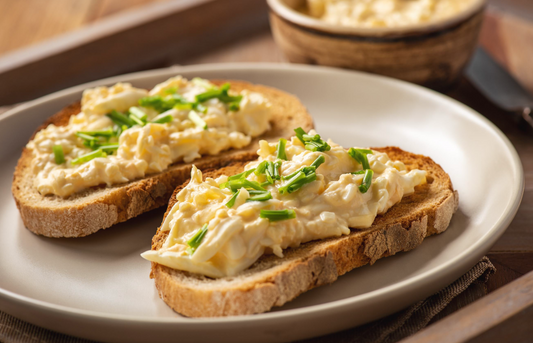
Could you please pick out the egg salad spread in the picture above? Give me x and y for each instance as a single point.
(124, 133)
(384, 13)
(297, 191)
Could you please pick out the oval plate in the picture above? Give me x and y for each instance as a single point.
(98, 287)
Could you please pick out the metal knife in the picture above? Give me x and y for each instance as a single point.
(491, 79)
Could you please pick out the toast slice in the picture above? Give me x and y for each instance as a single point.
(101, 207)
(273, 281)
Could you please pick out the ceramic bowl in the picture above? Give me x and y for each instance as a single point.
(429, 54)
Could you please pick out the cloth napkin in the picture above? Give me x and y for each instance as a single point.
(393, 328)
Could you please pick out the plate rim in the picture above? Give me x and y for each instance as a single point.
(396, 289)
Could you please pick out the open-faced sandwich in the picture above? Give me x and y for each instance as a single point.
(255, 235)
(123, 150)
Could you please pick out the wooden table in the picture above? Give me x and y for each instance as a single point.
(508, 38)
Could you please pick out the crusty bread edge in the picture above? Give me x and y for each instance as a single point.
(122, 202)
(284, 283)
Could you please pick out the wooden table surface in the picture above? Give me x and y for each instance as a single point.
(507, 37)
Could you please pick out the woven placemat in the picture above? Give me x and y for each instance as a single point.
(393, 328)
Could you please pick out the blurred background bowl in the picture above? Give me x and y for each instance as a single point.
(429, 54)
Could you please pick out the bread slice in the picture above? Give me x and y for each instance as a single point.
(101, 207)
(273, 281)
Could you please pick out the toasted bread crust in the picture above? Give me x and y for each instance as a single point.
(273, 281)
(101, 207)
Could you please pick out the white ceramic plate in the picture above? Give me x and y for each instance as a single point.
(98, 287)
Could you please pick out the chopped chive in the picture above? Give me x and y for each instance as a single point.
(109, 148)
(88, 157)
(269, 172)
(231, 200)
(120, 119)
(234, 106)
(244, 174)
(162, 119)
(103, 133)
(281, 149)
(260, 196)
(300, 134)
(196, 240)
(170, 90)
(59, 156)
(311, 142)
(305, 170)
(220, 94)
(277, 167)
(137, 120)
(261, 168)
(235, 185)
(367, 181)
(360, 156)
(199, 122)
(285, 188)
(359, 172)
(185, 106)
(277, 215)
(137, 112)
(300, 183)
(319, 160)
(85, 136)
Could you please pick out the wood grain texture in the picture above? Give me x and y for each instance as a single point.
(32, 21)
(152, 36)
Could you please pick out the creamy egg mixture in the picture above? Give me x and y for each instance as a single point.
(384, 13)
(124, 133)
(210, 235)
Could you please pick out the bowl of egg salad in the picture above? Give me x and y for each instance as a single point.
(428, 42)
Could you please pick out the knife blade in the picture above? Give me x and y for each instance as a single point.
(495, 83)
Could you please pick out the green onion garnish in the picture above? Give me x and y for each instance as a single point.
(85, 136)
(137, 120)
(109, 148)
(88, 157)
(260, 196)
(277, 215)
(222, 95)
(196, 240)
(242, 175)
(199, 122)
(170, 90)
(281, 149)
(120, 119)
(59, 156)
(319, 160)
(312, 143)
(305, 170)
(359, 172)
(235, 185)
(103, 133)
(272, 171)
(299, 176)
(367, 181)
(137, 112)
(360, 156)
(234, 106)
(231, 200)
(163, 119)
(185, 106)
(260, 170)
